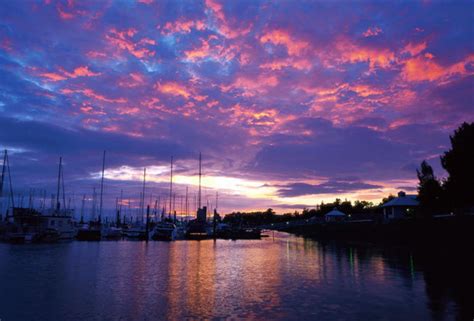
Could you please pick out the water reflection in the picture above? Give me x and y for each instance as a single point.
(285, 278)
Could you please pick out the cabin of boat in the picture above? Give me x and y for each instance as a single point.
(164, 231)
(29, 225)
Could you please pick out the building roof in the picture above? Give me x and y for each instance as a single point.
(404, 200)
(335, 212)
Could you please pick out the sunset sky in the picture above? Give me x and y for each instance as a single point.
(290, 102)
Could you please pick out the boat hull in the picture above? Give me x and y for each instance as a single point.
(88, 235)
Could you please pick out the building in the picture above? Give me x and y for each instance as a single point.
(400, 207)
(335, 216)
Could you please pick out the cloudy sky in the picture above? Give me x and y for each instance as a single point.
(290, 102)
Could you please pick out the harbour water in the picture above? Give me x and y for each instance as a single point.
(283, 277)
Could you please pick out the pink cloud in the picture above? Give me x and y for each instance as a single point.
(183, 26)
(134, 79)
(198, 53)
(64, 15)
(216, 8)
(281, 37)
(92, 94)
(123, 40)
(52, 76)
(423, 68)
(252, 86)
(349, 52)
(220, 53)
(82, 71)
(414, 49)
(372, 31)
(174, 89)
(300, 64)
(225, 27)
(127, 110)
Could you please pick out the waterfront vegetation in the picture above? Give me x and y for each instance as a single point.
(452, 195)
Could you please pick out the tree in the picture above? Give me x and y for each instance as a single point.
(459, 163)
(430, 192)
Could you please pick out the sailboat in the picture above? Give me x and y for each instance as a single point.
(93, 230)
(60, 218)
(198, 228)
(166, 230)
(139, 232)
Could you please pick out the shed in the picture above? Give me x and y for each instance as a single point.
(400, 207)
(335, 216)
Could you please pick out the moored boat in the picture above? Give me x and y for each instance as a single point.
(164, 231)
(89, 233)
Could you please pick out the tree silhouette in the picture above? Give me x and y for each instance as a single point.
(430, 192)
(459, 163)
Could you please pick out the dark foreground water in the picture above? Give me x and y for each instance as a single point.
(280, 278)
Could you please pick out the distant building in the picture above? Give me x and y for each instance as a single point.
(202, 214)
(335, 216)
(400, 207)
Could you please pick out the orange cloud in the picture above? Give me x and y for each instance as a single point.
(82, 71)
(219, 53)
(422, 68)
(252, 86)
(414, 49)
(281, 37)
(349, 52)
(183, 26)
(173, 88)
(52, 76)
(198, 53)
(123, 40)
(365, 91)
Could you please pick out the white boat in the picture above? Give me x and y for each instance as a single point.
(61, 223)
(112, 232)
(138, 233)
(164, 231)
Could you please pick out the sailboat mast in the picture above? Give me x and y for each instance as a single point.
(3, 172)
(58, 205)
(10, 181)
(186, 202)
(64, 190)
(82, 208)
(121, 201)
(200, 174)
(102, 188)
(143, 193)
(171, 184)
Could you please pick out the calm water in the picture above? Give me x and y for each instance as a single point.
(280, 278)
